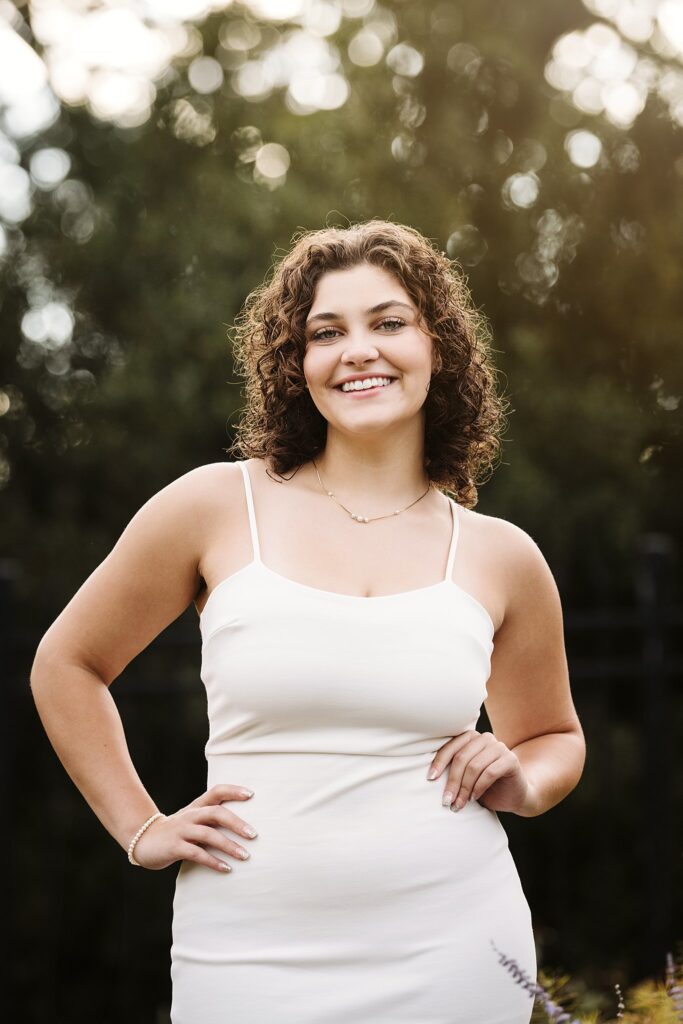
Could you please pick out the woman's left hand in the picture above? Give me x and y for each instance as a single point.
(482, 768)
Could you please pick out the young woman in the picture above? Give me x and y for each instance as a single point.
(354, 617)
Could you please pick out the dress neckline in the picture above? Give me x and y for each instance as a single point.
(334, 594)
(256, 562)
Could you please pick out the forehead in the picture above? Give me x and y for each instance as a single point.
(357, 288)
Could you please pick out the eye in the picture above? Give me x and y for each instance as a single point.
(319, 335)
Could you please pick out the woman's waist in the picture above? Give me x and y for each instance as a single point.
(335, 828)
(312, 779)
(332, 793)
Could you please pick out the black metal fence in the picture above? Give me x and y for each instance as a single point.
(602, 870)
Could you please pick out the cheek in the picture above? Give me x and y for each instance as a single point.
(316, 367)
(414, 354)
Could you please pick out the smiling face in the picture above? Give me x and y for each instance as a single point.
(363, 322)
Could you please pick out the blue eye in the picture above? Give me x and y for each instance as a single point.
(318, 336)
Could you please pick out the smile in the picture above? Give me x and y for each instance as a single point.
(370, 386)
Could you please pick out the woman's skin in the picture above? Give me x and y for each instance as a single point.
(194, 533)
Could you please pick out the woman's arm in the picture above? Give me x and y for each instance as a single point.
(148, 579)
(535, 755)
(529, 701)
(84, 727)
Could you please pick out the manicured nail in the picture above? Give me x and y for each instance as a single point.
(433, 772)
(459, 803)
(447, 798)
(247, 792)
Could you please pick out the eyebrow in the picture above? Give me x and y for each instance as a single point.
(373, 309)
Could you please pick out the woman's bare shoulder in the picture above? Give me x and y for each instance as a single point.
(496, 530)
(514, 555)
(210, 485)
(149, 577)
(211, 475)
(215, 492)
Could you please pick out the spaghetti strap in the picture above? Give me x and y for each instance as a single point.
(250, 508)
(455, 512)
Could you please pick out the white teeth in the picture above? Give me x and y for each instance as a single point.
(367, 382)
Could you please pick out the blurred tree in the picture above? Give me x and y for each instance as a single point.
(162, 229)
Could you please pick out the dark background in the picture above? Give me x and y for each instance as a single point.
(153, 240)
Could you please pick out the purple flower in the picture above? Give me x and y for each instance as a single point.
(560, 1016)
(555, 1013)
(673, 990)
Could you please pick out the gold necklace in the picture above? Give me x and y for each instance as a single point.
(364, 519)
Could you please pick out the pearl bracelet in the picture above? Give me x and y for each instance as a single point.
(137, 835)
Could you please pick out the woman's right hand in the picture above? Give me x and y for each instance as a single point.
(183, 835)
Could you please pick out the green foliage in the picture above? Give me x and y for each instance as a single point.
(647, 1002)
(581, 286)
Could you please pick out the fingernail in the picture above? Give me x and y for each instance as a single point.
(459, 803)
(433, 772)
(447, 798)
(247, 792)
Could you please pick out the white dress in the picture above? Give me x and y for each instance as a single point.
(364, 901)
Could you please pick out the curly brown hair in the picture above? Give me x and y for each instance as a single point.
(464, 413)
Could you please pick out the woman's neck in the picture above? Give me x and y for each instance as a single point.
(372, 480)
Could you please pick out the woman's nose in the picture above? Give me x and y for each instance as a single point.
(360, 343)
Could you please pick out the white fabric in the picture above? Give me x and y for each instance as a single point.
(365, 901)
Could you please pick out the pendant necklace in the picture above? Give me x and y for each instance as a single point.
(364, 519)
